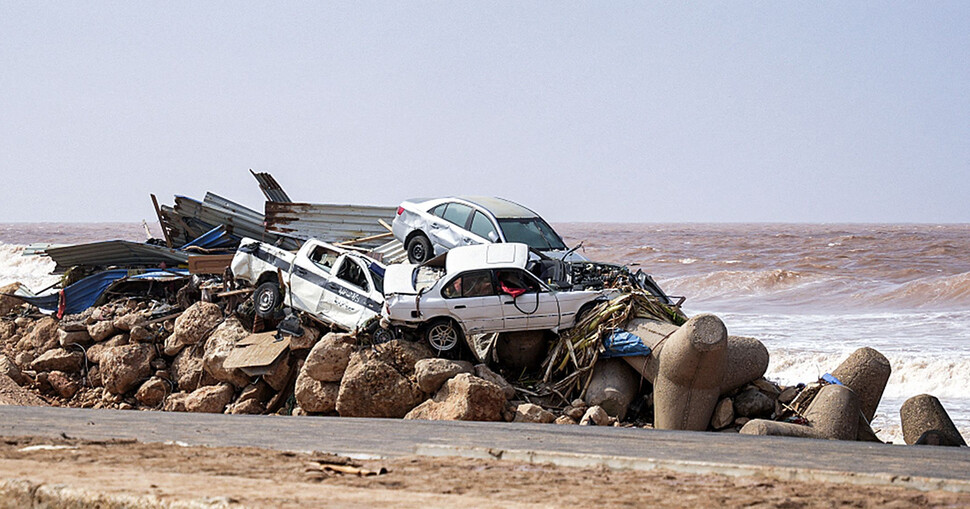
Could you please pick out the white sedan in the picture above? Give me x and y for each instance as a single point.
(476, 290)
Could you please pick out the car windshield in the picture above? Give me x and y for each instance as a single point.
(531, 231)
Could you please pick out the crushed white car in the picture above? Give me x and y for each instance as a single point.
(475, 290)
(429, 227)
(339, 287)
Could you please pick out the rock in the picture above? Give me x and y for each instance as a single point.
(7, 330)
(81, 337)
(723, 414)
(372, 388)
(575, 412)
(770, 389)
(279, 373)
(42, 336)
(8, 304)
(432, 373)
(248, 407)
(258, 391)
(198, 320)
(482, 371)
(753, 403)
(565, 419)
(186, 368)
(309, 338)
(463, 398)
(129, 321)
(12, 393)
(528, 412)
(59, 359)
(328, 359)
(95, 351)
(123, 367)
(595, 416)
(94, 376)
(74, 323)
(521, 351)
(925, 422)
(100, 331)
(175, 402)
(316, 396)
(152, 392)
(613, 386)
(788, 395)
(140, 334)
(211, 399)
(10, 369)
(63, 385)
(219, 346)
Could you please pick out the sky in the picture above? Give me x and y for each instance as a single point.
(583, 111)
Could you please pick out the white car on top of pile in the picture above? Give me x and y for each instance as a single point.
(475, 290)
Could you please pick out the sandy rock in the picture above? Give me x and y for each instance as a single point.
(723, 414)
(62, 384)
(186, 368)
(152, 392)
(129, 321)
(565, 419)
(94, 376)
(328, 359)
(73, 323)
(123, 367)
(482, 371)
(59, 359)
(81, 337)
(8, 304)
(7, 329)
(259, 391)
(10, 369)
(12, 393)
(309, 338)
(175, 402)
(315, 396)
(432, 373)
(217, 349)
(100, 331)
(140, 334)
(211, 399)
(197, 321)
(94, 351)
(42, 336)
(372, 388)
(463, 398)
(279, 373)
(753, 403)
(595, 416)
(23, 359)
(247, 407)
(528, 412)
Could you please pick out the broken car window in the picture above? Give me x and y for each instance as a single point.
(352, 273)
(513, 279)
(482, 227)
(323, 258)
(470, 284)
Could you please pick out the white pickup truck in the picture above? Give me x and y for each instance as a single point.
(337, 286)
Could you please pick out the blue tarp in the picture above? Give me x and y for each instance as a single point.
(85, 293)
(623, 344)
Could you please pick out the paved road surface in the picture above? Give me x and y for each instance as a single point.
(921, 467)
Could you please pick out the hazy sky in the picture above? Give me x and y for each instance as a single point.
(601, 111)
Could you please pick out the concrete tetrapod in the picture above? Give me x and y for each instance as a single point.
(833, 415)
(692, 365)
(866, 372)
(613, 386)
(925, 422)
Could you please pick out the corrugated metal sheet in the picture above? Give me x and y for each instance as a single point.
(216, 238)
(330, 223)
(86, 292)
(390, 252)
(190, 219)
(114, 253)
(271, 189)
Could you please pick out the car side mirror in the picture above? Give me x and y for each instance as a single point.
(493, 236)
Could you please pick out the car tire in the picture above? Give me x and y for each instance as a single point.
(444, 337)
(266, 299)
(419, 249)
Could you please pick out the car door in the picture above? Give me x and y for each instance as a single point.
(527, 304)
(471, 298)
(347, 292)
(307, 280)
(447, 230)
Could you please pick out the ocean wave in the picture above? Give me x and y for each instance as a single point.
(31, 271)
(736, 283)
(951, 290)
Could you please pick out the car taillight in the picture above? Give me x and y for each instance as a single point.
(400, 210)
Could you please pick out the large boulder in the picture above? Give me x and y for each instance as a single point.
(100, 331)
(482, 371)
(309, 338)
(8, 304)
(463, 398)
(175, 402)
(63, 385)
(186, 368)
(217, 349)
(42, 336)
(211, 399)
(432, 373)
(59, 359)
(315, 396)
(192, 326)
(328, 359)
(131, 320)
(152, 392)
(13, 394)
(73, 337)
(95, 351)
(379, 382)
(123, 367)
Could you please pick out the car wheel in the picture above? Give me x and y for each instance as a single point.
(382, 335)
(267, 299)
(419, 249)
(444, 337)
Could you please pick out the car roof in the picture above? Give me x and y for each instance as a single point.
(487, 256)
(499, 207)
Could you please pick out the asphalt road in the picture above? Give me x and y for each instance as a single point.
(922, 467)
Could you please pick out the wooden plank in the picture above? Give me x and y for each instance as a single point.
(209, 264)
(257, 350)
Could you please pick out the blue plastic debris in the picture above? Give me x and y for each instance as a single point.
(621, 343)
(831, 379)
